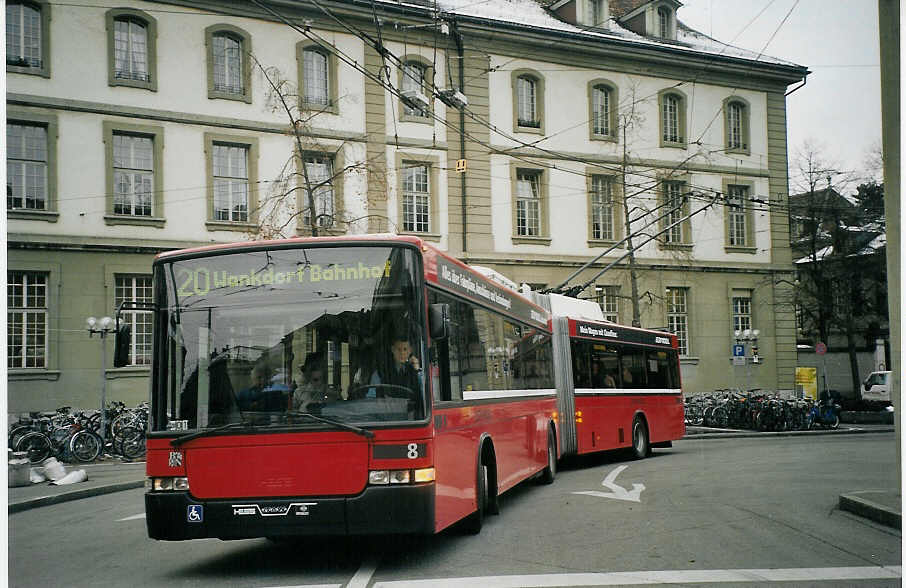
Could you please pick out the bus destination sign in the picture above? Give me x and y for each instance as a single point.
(453, 277)
(602, 332)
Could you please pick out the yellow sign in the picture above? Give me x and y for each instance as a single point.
(461, 165)
(807, 382)
(200, 281)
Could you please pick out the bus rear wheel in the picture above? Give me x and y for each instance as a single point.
(641, 445)
(475, 521)
(550, 472)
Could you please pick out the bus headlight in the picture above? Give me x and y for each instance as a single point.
(384, 477)
(167, 484)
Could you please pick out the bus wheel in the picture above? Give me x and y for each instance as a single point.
(640, 444)
(550, 472)
(475, 520)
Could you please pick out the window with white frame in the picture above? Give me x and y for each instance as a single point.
(130, 50)
(736, 112)
(227, 62)
(527, 102)
(136, 289)
(26, 166)
(319, 172)
(601, 113)
(602, 208)
(737, 216)
(670, 118)
(674, 211)
(678, 317)
(231, 182)
(24, 43)
(742, 313)
(608, 300)
(414, 81)
(316, 86)
(528, 203)
(26, 317)
(133, 174)
(416, 197)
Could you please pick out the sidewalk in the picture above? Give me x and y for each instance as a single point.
(114, 475)
(104, 476)
(881, 506)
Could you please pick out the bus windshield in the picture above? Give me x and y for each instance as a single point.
(269, 337)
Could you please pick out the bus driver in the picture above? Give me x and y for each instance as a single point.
(405, 370)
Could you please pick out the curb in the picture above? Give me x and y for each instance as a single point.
(859, 503)
(74, 495)
(724, 434)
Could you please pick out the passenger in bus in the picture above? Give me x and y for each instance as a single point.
(314, 384)
(251, 397)
(627, 377)
(600, 379)
(262, 394)
(404, 371)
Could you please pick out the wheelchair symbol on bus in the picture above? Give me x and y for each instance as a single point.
(195, 513)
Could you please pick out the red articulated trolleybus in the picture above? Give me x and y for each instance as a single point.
(370, 384)
(624, 385)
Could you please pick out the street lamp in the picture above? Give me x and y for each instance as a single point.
(748, 337)
(102, 327)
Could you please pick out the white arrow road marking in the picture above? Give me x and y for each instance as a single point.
(617, 491)
(132, 518)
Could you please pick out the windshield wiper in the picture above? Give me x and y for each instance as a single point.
(205, 432)
(357, 430)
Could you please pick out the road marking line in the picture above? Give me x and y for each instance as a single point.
(310, 586)
(657, 577)
(132, 518)
(363, 576)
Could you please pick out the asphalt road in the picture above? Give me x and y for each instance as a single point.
(742, 512)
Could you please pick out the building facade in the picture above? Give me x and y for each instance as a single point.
(526, 138)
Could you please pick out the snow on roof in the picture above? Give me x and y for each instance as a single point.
(530, 13)
(873, 246)
(820, 255)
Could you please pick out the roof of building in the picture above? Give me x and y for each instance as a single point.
(535, 14)
(824, 199)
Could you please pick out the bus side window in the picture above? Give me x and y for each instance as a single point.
(446, 354)
(632, 368)
(581, 377)
(658, 370)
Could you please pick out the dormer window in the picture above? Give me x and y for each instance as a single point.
(597, 12)
(663, 22)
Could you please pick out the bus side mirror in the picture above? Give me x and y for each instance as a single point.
(121, 341)
(439, 320)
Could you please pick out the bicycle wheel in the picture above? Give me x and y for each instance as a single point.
(36, 445)
(132, 444)
(16, 433)
(122, 421)
(85, 446)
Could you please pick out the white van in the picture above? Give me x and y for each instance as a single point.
(876, 387)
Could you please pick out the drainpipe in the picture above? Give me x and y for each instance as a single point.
(462, 129)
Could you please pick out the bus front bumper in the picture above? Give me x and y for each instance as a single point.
(177, 516)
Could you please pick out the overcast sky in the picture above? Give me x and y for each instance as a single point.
(839, 108)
